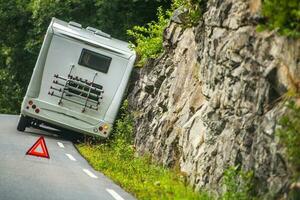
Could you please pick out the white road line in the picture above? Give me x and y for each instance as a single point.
(61, 145)
(70, 157)
(88, 172)
(114, 194)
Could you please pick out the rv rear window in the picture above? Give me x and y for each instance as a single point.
(94, 60)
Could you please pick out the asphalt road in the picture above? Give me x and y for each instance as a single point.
(65, 176)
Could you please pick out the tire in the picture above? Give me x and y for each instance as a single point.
(23, 123)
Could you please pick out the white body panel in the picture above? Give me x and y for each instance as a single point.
(60, 54)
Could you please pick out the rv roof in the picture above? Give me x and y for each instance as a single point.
(91, 35)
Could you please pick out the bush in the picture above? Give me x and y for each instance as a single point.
(149, 38)
(238, 184)
(123, 128)
(283, 15)
(122, 135)
(193, 9)
(289, 134)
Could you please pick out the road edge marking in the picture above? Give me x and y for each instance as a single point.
(89, 173)
(114, 194)
(70, 157)
(61, 145)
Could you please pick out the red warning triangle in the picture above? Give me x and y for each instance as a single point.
(39, 149)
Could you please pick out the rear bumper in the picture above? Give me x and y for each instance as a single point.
(64, 118)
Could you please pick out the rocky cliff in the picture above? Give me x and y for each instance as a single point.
(213, 98)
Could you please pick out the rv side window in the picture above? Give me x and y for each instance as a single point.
(94, 60)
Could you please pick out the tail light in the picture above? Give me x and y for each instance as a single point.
(104, 128)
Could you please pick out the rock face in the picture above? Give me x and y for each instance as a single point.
(213, 98)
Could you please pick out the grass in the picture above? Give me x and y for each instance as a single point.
(145, 180)
(117, 159)
(138, 175)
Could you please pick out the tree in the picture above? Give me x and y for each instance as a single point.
(24, 24)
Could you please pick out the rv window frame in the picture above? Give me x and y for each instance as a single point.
(82, 63)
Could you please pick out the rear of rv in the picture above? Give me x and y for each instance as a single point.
(79, 79)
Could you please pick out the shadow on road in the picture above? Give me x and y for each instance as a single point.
(51, 132)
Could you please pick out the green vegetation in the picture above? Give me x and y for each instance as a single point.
(289, 134)
(193, 10)
(283, 15)
(138, 175)
(117, 159)
(238, 184)
(9, 88)
(148, 39)
(24, 24)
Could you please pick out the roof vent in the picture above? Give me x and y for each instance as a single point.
(75, 24)
(91, 29)
(100, 33)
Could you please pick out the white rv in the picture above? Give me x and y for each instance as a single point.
(78, 81)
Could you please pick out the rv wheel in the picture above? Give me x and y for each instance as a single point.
(23, 123)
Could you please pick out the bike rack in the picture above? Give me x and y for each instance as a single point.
(89, 93)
